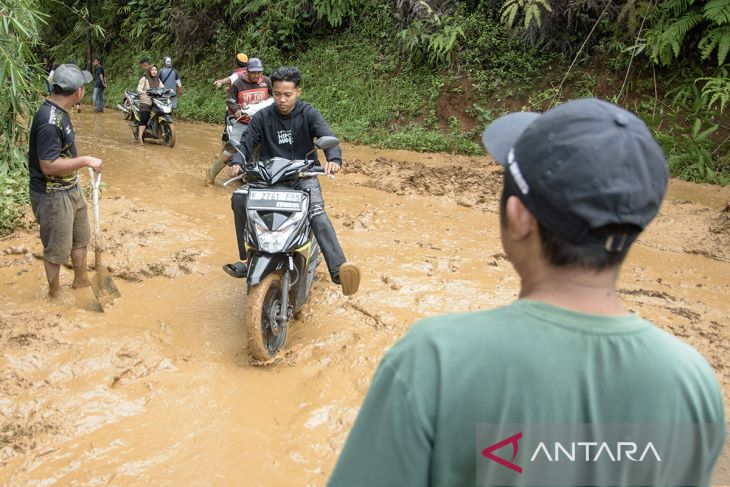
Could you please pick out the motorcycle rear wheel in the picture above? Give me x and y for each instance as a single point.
(169, 134)
(262, 306)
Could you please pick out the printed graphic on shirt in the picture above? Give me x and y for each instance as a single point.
(252, 96)
(285, 137)
(68, 137)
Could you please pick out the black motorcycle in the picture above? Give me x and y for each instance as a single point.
(281, 249)
(160, 127)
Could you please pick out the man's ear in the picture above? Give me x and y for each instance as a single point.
(520, 222)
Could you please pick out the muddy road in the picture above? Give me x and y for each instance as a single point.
(159, 390)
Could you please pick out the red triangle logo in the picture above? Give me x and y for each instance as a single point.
(512, 440)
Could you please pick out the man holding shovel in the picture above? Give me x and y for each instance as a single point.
(55, 192)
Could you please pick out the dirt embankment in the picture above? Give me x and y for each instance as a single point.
(467, 180)
(682, 225)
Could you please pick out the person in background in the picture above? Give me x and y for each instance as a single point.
(250, 90)
(56, 196)
(49, 79)
(149, 81)
(144, 65)
(47, 68)
(99, 85)
(171, 79)
(581, 181)
(241, 63)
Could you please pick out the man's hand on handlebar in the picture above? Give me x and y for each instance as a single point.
(234, 170)
(331, 167)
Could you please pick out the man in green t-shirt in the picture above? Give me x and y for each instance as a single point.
(462, 399)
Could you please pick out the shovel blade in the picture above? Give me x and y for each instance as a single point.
(104, 288)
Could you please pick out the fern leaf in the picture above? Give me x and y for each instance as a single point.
(723, 46)
(530, 14)
(252, 6)
(706, 133)
(721, 98)
(509, 13)
(676, 7)
(717, 12)
(678, 30)
(719, 38)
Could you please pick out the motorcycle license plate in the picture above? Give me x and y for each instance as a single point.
(275, 200)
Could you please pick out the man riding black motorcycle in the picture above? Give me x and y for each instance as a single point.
(287, 129)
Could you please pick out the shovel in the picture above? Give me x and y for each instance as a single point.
(104, 288)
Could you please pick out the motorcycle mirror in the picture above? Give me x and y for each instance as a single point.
(326, 142)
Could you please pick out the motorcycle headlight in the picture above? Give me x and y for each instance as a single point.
(273, 241)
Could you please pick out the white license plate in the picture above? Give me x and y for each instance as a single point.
(259, 199)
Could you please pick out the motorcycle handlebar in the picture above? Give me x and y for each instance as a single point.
(307, 174)
(240, 176)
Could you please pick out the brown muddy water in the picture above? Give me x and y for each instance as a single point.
(159, 389)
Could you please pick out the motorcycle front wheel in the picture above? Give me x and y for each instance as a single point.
(168, 134)
(265, 336)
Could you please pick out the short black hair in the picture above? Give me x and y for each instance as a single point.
(144, 60)
(287, 73)
(97, 59)
(562, 253)
(58, 91)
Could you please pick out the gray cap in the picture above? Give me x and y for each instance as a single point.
(69, 77)
(255, 65)
(582, 166)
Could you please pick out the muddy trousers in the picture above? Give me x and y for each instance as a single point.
(321, 225)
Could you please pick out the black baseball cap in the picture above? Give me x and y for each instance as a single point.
(581, 167)
(255, 65)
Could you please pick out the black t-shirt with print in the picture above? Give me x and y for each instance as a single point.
(51, 137)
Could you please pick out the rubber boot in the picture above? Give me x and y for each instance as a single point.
(213, 170)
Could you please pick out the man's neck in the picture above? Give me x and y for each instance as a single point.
(575, 289)
(65, 102)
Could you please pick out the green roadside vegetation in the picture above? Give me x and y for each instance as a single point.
(417, 75)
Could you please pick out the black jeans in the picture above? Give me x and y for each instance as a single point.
(321, 225)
